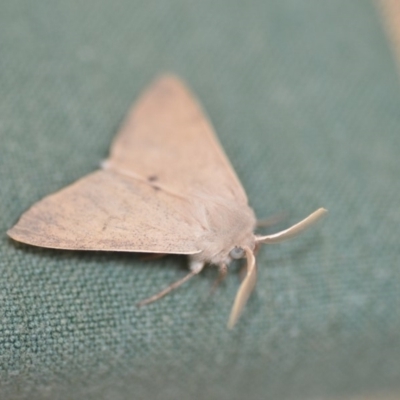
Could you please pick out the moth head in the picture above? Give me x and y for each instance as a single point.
(237, 252)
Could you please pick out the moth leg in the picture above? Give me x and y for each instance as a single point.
(195, 268)
(223, 271)
(242, 272)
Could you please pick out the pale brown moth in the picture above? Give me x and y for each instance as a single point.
(167, 187)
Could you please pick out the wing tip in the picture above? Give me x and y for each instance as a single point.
(169, 81)
(168, 77)
(15, 234)
(11, 233)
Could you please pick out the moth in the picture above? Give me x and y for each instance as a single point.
(166, 188)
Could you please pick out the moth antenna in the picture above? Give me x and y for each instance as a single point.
(245, 288)
(275, 219)
(293, 230)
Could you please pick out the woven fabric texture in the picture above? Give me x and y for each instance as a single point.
(305, 99)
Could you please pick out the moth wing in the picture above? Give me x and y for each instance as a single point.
(166, 138)
(110, 212)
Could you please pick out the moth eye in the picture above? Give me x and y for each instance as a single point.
(237, 252)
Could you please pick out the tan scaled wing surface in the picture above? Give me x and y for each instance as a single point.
(167, 139)
(110, 212)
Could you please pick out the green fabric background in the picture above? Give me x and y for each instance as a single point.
(305, 98)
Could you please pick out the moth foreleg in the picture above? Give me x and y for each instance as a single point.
(223, 271)
(194, 270)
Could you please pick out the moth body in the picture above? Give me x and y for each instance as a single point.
(167, 187)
